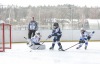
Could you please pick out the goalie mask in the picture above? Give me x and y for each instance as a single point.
(55, 25)
(37, 33)
(82, 29)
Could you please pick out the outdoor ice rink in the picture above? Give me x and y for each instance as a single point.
(20, 54)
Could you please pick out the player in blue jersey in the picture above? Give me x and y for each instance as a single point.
(56, 32)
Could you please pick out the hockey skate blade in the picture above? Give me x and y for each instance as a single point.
(61, 50)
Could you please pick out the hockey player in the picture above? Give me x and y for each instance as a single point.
(36, 39)
(84, 38)
(56, 32)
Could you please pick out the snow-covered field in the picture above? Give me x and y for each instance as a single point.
(20, 54)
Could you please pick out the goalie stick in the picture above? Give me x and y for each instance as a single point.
(28, 43)
(27, 40)
(41, 44)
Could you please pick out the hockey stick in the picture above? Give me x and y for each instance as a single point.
(41, 44)
(71, 46)
(27, 40)
(28, 43)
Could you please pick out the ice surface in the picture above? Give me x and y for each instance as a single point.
(20, 54)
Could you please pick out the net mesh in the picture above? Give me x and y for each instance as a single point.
(1, 37)
(5, 36)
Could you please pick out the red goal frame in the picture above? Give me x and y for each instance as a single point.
(3, 25)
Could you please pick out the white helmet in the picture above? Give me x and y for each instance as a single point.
(82, 29)
(37, 32)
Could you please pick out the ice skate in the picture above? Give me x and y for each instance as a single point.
(51, 48)
(77, 47)
(85, 48)
(61, 49)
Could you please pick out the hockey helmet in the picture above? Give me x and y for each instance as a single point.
(82, 29)
(56, 24)
(37, 32)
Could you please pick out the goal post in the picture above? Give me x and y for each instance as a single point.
(5, 37)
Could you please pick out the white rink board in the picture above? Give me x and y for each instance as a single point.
(18, 35)
(19, 54)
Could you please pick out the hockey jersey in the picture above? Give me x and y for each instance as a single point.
(33, 25)
(56, 32)
(36, 39)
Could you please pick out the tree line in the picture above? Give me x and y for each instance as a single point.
(42, 13)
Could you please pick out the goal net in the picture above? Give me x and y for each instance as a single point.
(5, 37)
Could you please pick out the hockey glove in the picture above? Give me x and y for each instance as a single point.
(93, 32)
(49, 36)
(88, 37)
(54, 34)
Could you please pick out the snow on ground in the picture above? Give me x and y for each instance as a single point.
(20, 54)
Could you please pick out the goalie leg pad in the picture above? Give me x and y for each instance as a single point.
(34, 47)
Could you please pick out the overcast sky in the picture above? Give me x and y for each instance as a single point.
(89, 3)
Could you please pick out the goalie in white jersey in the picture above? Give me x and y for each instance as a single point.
(84, 38)
(36, 39)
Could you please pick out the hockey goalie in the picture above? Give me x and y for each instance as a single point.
(34, 42)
